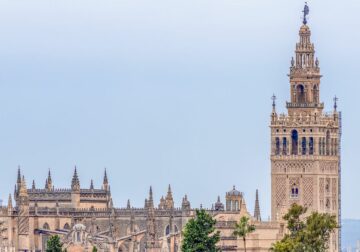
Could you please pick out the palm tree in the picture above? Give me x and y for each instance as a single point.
(243, 228)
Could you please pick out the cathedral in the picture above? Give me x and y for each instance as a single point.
(305, 169)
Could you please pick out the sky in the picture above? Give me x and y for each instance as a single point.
(165, 92)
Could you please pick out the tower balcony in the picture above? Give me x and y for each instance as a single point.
(304, 105)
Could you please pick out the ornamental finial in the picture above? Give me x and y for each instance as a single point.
(335, 103)
(306, 12)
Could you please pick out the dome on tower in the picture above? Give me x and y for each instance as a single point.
(234, 192)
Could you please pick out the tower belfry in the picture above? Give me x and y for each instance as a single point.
(305, 142)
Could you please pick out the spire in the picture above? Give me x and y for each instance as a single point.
(106, 181)
(185, 203)
(304, 74)
(91, 185)
(48, 183)
(33, 185)
(10, 206)
(273, 98)
(19, 176)
(75, 183)
(49, 177)
(23, 189)
(335, 103)
(257, 214)
(128, 206)
(150, 202)
(169, 201)
(105, 177)
(218, 205)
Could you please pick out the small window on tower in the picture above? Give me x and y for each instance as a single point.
(294, 192)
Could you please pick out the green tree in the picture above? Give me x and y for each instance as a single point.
(311, 233)
(94, 249)
(243, 228)
(200, 235)
(54, 244)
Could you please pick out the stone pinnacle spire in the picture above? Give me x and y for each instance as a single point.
(150, 202)
(75, 183)
(128, 206)
(19, 176)
(10, 202)
(48, 183)
(23, 189)
(91, 185)
(169, 201)
(106, 186)
(257, 214)
(33, 185)
(105, 178)
(49, 177)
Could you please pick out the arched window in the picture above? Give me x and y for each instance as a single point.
(303, 146)
(311, 146)
(176, 229)
(294, 142)
(315, 94)
(328, 142)
(46, 226)
(300, 94)
(236, 205)
(67, 226)
(284, 147)
(277, 146)
(167, 230)
(294, 192)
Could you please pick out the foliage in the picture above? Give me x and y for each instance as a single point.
(54, 244)
(311, 233)
(200, 235)
(94, 249)
(243, 228)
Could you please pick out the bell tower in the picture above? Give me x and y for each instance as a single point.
(305, 142)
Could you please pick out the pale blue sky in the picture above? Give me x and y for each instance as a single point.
(164, 92)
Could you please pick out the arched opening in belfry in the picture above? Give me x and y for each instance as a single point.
(294, 142)
(327, 141)
(315, 94)
(284, 147)
(300, 93)
(303, 146)
(311, 146)
(67, 226)
(277, 146)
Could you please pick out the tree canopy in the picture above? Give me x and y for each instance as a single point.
(54, 244)
(200, 235)
(311, 233)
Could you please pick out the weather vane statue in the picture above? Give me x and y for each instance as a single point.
(306, 12)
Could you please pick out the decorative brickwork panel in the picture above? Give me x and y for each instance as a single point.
(321, 188)
(280, 191)
(334, 187)
(308, 191)
(293, 167)
(329, 167)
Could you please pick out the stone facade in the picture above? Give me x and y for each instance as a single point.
(305, 155)
(84, 218)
